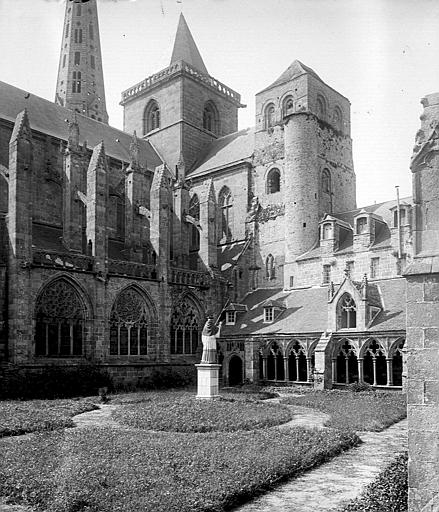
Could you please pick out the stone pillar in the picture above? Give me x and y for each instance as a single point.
(286, 368)
(264, 367)
(360, 362)
(208, 250)
(251, 361)
(19, 223)
(323, 377)
(334, 370)
(308, 369)
(389, 364)
(374, 364)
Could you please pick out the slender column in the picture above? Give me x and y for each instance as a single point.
(264, 367)
(389, 362)
(360, 361)
(275, 367)
(374, 362)
(297, 368)
(308, 369)
(334, 370)
(347, 370)
(286, 368)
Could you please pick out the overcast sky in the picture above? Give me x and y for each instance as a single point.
(381, 54)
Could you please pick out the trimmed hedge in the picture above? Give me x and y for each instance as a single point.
(387, 493)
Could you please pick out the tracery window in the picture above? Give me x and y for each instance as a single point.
(226, 208)
(129, 324)
(210, 117)
(60, 316)
(270, 116)
(273, 181)
(270, 269)
(185, 329)
(152, 117)
(347, 312)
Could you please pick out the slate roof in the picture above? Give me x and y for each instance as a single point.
(226, 151)
(307, 310)
(185, 48)
(49, 118)
(295, 69)
(229, 254)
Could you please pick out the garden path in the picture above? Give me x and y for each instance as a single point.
(327, 487)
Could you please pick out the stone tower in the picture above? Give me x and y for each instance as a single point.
(181, 109)
(80, 84)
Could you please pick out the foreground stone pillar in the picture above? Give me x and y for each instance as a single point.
(207, 380)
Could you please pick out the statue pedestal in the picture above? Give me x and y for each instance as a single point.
(207, 381)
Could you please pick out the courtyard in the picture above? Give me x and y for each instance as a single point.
(166, 451)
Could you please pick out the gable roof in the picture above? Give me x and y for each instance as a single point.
(185, 48)
(49, 118)
(294, 70)
(231, 149)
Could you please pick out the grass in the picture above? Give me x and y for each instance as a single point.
(18, 417)
(355, 411)
(387, 493)
(183, 413)
(101, 469)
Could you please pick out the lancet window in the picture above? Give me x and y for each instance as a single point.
(129, 324)
(226, 207)
(210, 117)
(152, 117)
(185, 329)
(60, 318)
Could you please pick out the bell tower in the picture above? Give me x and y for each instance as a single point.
(80, 84)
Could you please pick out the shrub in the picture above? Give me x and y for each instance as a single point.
(387, 493)
(359, 387)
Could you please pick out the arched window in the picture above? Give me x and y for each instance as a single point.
(338, 119)
(60, 317)
(297, 363)
(185, 328)
(275, 363)
(270, 268)
(269, 116)
(151, 119)
(374, 364)
(321, 107)
(273, 181)
(225, 203)
(361, 225)
(346, 364)
(288, 106)
(347, 312)
(130, 323)
(211, 117)
(326, 181)
(194, 234)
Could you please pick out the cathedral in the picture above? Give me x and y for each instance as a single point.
(116, 245)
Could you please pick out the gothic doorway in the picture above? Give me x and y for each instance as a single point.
(235, 371)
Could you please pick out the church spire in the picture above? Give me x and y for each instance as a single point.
(185, 48)
(80, 84)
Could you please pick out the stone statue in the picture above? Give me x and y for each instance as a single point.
(208, 337)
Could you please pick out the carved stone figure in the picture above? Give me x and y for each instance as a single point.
(209, 335)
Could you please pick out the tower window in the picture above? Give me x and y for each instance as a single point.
(210, 117)
(270, 116)
(321, 107)
(92, 61)
(77, 60)
(226, 209)
(67, 30)
(326, 274)
(78, 10)
(361, 225)
(64, 61)
(76, 84)
(270, 268)
(273, 181)
(288, 106)
(151, 117)
(78, 35)
(326, 181)
(91, 31)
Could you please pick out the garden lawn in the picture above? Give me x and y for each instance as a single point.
(109, 469)
(182, 412)
(355, 411)
(18, 417)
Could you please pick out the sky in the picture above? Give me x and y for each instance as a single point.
(381, 54)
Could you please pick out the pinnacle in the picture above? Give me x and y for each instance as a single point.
(185, 48)
(21, 125)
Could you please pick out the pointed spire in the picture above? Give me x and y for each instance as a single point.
(180, 168)
(98, 158)
(21, 127)
(185, 48)
(80, 84)
(134, 150)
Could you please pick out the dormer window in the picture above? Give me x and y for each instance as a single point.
(327, 231)
(230, 317)
(268, 315)
(361, 225)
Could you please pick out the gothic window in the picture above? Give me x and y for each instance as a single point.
(347, 312)
(361, 225)
(288, 105)
(78, 35)
(346, 363)
(270, 269)
(321, 107)
(273, 181)
(327, 231)
(326, 274)
(60, 318)
(210, 117)
(269, 116)
(129, 325)
(64, 60)
(374, 364)
(338, 119)
(194, 212)
(92, 62)
(76, 83)
(77, 59)
(152, 117)
(297, 363)
(67, 30)
(275, 363)
(185, 329)
(90, 31)
(78, 10)
(326, 181)
(226, 209)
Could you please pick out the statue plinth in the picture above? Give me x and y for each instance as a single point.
(207, 381)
